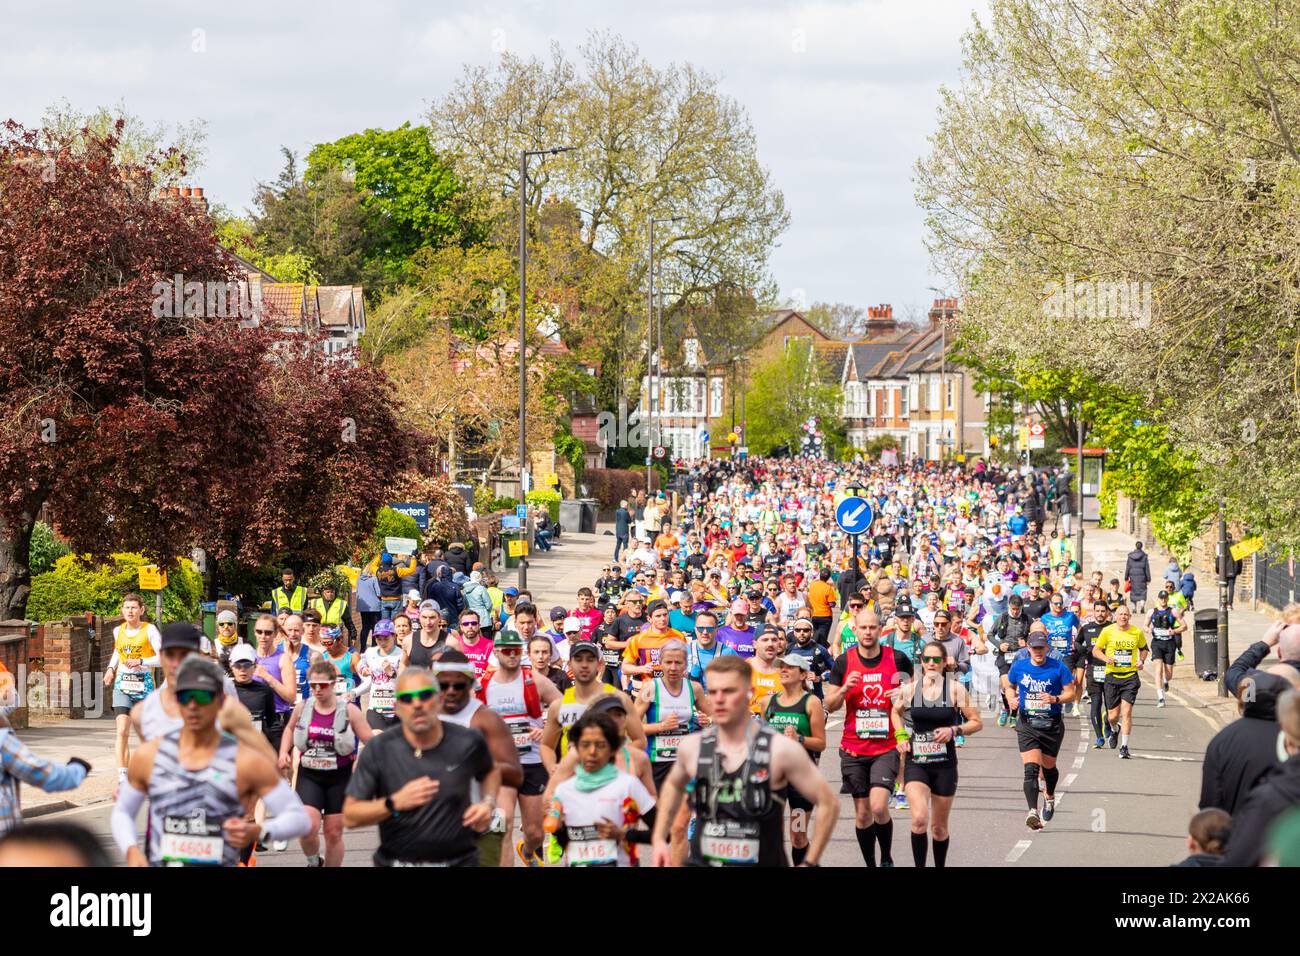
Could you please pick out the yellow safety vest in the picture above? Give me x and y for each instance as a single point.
(296, 603)
(333, 614)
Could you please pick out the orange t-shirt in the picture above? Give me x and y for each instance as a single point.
(821, 595)
(667, 545)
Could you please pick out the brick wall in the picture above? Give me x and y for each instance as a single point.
(62, 654)
(13, 654)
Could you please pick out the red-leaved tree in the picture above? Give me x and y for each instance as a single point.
(147, 427)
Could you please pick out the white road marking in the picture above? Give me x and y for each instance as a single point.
(1199, 711)
(1083, 747)
(1078, 762)
(1018, 850)
(1163, 757)
(1069, 780)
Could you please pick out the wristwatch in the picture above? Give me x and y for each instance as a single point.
(388, 805)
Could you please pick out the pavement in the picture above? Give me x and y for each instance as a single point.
(1112, 812)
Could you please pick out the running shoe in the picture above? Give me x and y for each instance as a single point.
(1012, 721)
(1100, 744)
(533, 860)
(900, 801)
(1002, 719)
(1033, 821)
(1114, 738)
(1074, 710)
(279, 846)
(1180, 655)
(315, 861)
(1123, 753)
(1049, 810)
(1086, 697)
(1160, 702)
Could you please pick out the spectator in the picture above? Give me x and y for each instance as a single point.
(1187, 585)
(367, 605)
(1243, 752)
(441, 589)
(1173, 573)
(477, 599)
(542, 529)
(1275, 795)
(622, 520)
(1064, 500)
(458, 558)
(18, 764)
(1207, 835)
(52, 844)
(1283, 634)
(1137, 572)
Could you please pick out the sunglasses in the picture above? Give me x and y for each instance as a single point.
(510, 650)
(226, 624)
(262, 633)
(469, 623)
(242, 664)
(932, 660)
(411, 696)
(459, 685)
(200, 697)
(321, 684)
(705, 629)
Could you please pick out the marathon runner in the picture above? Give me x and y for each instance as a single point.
(866, 678)
(938, 710)
(1163, 629)
(136, 644)
(199, 782)
(769, 644)
(1007, 637)
(738, 634)
(1039, 685)
(740, 771)
(418, 784)
(798, 714)
(325, 731)
(380, 665)
(1094, 671)
(1118, 645)
(641, 655)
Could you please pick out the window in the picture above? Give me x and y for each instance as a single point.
(871, 408)
(932, 394)
(902, 394)
(692, 347)
(716, 392)
(952, 393)
(914, 389)
(684, 396)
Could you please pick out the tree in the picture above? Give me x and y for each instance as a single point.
(140, 424)
(785, 391)
(1112, 186)
(839, 320)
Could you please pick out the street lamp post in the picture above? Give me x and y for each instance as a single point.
(652, 366)
(523, 340)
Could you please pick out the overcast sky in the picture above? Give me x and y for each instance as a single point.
(842, 95)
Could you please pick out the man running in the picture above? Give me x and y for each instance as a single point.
(198, 781)
(768, 645)
(1163, 630)
(1007, 636)
(1118, 646)
(739, 770)
(136, 644)
(738, 634)
(1094, 672)
(564, 712)
(418, 784)
(521, 698)
(798, 714)
(641, 656)
(1039, 685)
(866, 678)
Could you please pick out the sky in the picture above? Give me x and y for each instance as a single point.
(842, 95)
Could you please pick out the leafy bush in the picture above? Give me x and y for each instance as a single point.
(547, 497)
(394, 524)
(45, 549)
(447, 519)
(503, 504)
(75, 586)
(610, 485)
(1107, 502)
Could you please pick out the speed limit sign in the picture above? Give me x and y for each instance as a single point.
(660, 451)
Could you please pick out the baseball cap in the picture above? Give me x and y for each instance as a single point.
(558, 614)
(509, 639)
(655, 606)
(413, 595)
(227, 617)
(180, 634)
(199, 673)
(903, 608)
(383, 628)
(603, 705)
(242, 652)
(429, 605)
(941, 613)
(572, 624)
(578, 647)
(1036, 639)
(676, 597)
(511, 592)
(795, 660)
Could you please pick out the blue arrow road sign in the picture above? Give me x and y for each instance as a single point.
(854, 515)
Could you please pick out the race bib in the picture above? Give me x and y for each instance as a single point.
(1035, 704)
(341, 686)
(925, 749)
(381, 699)
(666, 746)
(871, 723)
(1123, 658)
(521, 731)
(180, 847)
(588, 848)
(318, 759)
(730, 843)
(611, 658)
(1160, 633)
(1099, 673)
(257, 724)
(132, 685)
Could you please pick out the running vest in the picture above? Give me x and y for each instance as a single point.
(479, 655)
(571, 709)
(272, 664)
(738, 816)
(324, 738)
(1162, 624)
(463, 716)
(869, 721)
(188, 807)
(781, 716)
(927, 717)
(135, 682)
(332, 615)
(663, 746)
(347, 678)
(422, 655)
(520, 705)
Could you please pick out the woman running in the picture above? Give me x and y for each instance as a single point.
(796, 712)
(938, 709)
(325, 731)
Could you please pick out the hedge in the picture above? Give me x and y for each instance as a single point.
(77, 586)
(610, 485)
(548, 497)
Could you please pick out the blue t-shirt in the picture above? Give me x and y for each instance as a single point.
(1060, 632)
(697, 658)
(681, 621)
(1032, 679)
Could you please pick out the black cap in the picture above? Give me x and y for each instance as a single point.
(558, 614)
(1036, 639)
(754, 595)
(579, 646)
(200, 673)
(903, 608)
(181, 634)
(607, 703)
(656, 605)
(941, 613)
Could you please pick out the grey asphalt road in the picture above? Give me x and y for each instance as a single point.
(1111, 812)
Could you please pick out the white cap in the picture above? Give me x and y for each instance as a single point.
(413, 595)
(227, 617)
(242, 652)
(675, 597)
(572, 624)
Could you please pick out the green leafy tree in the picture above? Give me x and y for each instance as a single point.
(784, 392)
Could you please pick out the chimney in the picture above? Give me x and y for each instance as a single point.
(880, 321)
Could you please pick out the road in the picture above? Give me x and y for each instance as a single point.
(1110, 812)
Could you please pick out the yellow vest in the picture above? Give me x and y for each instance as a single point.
(332, 615)
(295, 602)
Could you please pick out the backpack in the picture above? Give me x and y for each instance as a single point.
(532, 698)
(345, 740)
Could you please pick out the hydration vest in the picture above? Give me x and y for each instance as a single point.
(345, 740)
(532, 698)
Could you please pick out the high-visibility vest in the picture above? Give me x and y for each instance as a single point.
(297, 602)
(333, 614)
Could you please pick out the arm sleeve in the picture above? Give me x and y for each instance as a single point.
(155, 639)
(129, 802)
(287, 818)
(360, 689)
(19, 761)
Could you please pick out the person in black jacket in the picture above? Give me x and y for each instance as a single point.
(1285, 637)
(441, 589)
(1243, 752)
(1137, 572)
(1207, 835)
(458, 558)
(1276, 794)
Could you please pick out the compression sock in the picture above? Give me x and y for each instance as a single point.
(941, 852)
(885, 835)
(920, 847)
(797, 854)
(1050, 776)
(1031, 785)
(1123, 740)
(867, 843)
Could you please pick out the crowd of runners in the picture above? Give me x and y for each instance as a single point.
(676, 712)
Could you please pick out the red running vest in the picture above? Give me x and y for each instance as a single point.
(869, 714)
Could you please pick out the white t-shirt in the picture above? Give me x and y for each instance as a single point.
(382, 670)
(583, 810)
